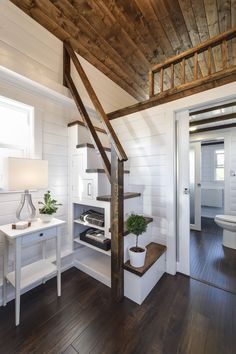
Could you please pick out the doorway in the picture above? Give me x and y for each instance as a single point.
(204, 179)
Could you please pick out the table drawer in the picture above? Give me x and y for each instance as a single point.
(39, 236)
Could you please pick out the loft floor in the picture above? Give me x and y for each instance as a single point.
(181, 315)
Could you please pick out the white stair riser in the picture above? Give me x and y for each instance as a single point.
(80, 135)
(137, 288)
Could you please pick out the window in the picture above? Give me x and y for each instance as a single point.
(219, 165)
(16, 133)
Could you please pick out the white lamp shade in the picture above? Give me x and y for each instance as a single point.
(27, 174)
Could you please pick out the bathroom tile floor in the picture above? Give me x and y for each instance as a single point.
(210, 261)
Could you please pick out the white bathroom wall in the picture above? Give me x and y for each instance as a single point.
(229, 136)
(208, 165)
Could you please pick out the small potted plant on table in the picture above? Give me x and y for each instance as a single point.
(49, 208)
(136, 224)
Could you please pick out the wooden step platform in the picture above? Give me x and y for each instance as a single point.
(100, 170)
(127, 195)
(82, 124)
(147, 219)
(91, 146)
(154, 252)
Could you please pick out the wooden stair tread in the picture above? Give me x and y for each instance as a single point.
(82, 124)
(154, 252)
(91, 146)
(99, 170)
(127, 195)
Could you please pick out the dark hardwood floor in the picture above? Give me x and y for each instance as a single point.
(181, 315)
(210, 261)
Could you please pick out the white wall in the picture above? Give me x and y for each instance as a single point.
(30, 50)
(208, 165)
(229, 136)
(31, 72)
(51, 121)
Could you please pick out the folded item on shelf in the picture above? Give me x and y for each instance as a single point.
(97, 235)
(96, 238)
(93, 217)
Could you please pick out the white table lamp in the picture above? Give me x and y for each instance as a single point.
(27, 174)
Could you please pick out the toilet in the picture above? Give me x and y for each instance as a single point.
(228, 224)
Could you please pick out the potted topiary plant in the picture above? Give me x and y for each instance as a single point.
(49, 208)
(136, 224)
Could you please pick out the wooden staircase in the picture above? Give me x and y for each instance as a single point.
(113, 167)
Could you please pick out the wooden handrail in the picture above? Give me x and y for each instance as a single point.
(212, 42)
(113, 169)
(107, 125)
(192, 53)
(89, 124)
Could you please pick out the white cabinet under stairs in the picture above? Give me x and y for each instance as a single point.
(91, 190)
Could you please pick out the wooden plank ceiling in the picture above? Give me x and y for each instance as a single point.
(124, 38)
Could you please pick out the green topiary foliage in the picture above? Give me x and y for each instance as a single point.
(136, 224)
(50, 205)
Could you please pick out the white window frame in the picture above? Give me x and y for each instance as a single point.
(29, 150)
(218, 152)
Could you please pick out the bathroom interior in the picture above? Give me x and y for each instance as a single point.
(212, 214)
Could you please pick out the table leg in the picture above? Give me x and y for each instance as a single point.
(58, 241)
(44, 255)
(5, 270)
(17, 279)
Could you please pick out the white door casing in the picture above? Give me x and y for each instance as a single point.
(183, 206)
(195, 186)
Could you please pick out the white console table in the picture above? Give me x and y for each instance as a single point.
(23, 277)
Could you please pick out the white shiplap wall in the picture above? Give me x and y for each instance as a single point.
(30, 50)
(147, 138)
(51, 135)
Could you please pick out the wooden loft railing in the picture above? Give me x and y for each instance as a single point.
(113, 169)
(190, 60)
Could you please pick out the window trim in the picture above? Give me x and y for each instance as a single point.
(216, 166)
(29, 150)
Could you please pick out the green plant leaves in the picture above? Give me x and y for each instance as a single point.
(50, 205)
(136, 224)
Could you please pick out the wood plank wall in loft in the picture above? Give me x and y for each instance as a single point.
(124, 38)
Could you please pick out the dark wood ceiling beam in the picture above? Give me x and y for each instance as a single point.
(224, 16)
(219, 127)
(213, 119)
(164, 15)
(157, 32)
(213, 27)
(131, 19)
(61, 31)
(58, 31)
(116, 60)
(104, 23)
(86, 37)
(190, 20)
(123, 39)
(214, 108)
(215, 80)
